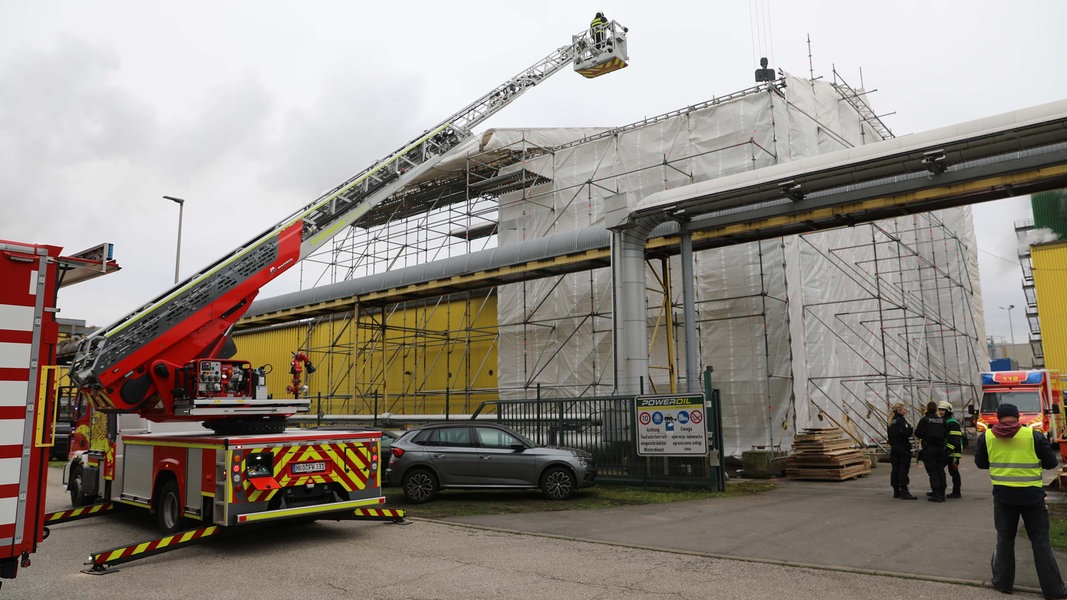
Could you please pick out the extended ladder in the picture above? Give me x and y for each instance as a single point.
(114, 366)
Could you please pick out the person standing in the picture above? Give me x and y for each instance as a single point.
(930, 411)
(1015, 457)
(899, 436)
(597, 27)
(933, 433)
(954, 444)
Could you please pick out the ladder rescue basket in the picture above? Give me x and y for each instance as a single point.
(602, 51)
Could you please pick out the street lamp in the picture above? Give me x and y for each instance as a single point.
(178, 253)
(1011, 331)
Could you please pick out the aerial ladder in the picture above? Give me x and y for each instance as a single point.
(171, 359)
(170, 362)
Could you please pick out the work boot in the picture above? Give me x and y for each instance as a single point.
(936, 498)
(930, 494)
(906, 495)
(896, 493)
(955, 494)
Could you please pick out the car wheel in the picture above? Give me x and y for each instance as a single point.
(169, 508)
(558, 483)
(419, 486)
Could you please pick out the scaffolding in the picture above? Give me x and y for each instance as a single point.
(825, 328)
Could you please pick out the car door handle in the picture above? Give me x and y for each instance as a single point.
(439, 455)
(488, 457)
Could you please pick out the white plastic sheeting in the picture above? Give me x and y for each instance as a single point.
(821, 330)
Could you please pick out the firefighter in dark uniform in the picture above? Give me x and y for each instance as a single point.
(932, 432)
(930, 411)
(954, 444)
(899, 436)
(597, 27)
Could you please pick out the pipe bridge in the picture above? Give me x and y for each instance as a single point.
(1003, 156)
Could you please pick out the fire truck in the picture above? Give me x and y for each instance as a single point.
(1037, 393)
(32, 275)
(178, 426)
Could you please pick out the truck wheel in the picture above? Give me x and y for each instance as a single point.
(75, 487)
(419, 486)
(169, 508)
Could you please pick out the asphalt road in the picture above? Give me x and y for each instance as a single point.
(642, 552)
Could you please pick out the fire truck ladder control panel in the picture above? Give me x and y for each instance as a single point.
(170, 360)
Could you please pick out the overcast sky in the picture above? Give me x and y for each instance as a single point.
(249, 110)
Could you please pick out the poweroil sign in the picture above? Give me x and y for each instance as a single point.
(672, 425)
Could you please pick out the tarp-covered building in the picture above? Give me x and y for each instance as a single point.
(817, 330)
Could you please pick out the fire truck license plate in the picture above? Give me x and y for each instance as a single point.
(309, 467)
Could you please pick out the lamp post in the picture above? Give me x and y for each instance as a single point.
(178, 252)
(1011, 331)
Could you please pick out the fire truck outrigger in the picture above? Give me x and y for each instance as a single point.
(189, 432)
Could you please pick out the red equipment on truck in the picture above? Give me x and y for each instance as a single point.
(300, 362)
(183, 429)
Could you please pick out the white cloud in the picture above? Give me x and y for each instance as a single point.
(249, 110)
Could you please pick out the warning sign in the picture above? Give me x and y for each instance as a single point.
(671, 425)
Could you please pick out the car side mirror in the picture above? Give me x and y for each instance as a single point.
(518, 447)
(972, 410)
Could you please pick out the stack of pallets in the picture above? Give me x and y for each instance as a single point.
(825, 455)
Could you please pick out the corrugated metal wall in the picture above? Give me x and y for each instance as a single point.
(1050, 282)
(1050, 211)
(438, 353)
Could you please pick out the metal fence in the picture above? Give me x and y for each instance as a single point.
(605, 426)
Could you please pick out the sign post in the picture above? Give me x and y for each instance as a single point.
(671, 425)
(714, 407)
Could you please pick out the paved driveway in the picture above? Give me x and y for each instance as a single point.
(846, 532)
(852, 525)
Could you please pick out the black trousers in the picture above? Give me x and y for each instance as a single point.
(954, 473)
(900, 460)
(1035, 518)
(935, 459)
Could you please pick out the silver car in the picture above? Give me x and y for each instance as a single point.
(484, 456)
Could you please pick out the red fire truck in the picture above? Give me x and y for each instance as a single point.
(180, 427)
(32, 275)
(1037, 393)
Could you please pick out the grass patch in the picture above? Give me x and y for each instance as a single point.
(1057, 513)
(463, 503)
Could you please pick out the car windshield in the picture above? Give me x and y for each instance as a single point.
(1026, 401)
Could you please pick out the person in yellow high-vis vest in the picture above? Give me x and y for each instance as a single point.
(1015, 457)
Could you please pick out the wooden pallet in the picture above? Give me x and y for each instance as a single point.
(830, 473)
(820, 440)
(821, 446)
(825, 455)
(835, 458)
